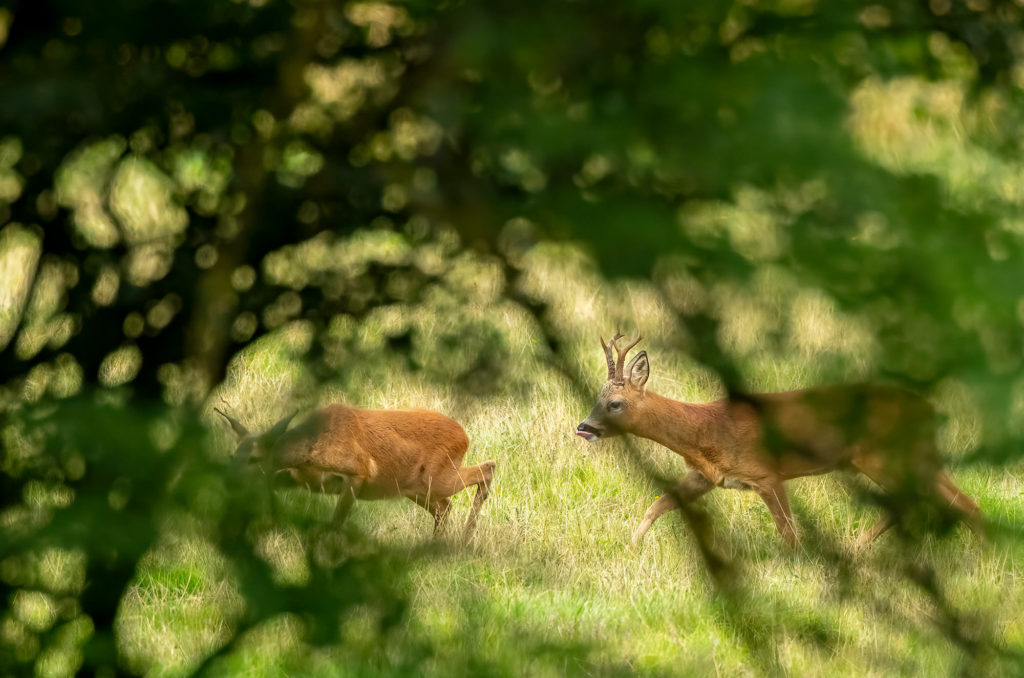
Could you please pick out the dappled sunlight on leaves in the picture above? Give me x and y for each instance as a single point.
(273, 206)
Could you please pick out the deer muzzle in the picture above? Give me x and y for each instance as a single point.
(588, 432)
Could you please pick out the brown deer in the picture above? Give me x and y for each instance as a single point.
(757, 442)
(371, 454)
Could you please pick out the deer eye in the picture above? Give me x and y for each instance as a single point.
(616, 405)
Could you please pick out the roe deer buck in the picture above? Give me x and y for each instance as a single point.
(371, 454)
(759, 441)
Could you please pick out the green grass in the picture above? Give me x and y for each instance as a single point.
(550, 584)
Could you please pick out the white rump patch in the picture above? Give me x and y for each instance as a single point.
(734, 484)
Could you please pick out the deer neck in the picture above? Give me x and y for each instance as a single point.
(677, 425)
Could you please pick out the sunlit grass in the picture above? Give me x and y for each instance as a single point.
(551, 557)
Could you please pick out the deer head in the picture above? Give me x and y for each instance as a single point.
(621, 396)
(255, 447)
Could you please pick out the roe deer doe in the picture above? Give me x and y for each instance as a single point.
(371, 454)
(757, 442)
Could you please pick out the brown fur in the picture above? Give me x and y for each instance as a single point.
(757, 442)
(372, 454)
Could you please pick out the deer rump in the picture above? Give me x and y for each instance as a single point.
(818, 430)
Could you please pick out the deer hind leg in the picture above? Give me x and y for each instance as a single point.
(778, 503)
(957, 498)
(480, 475)
(877, 530)
(439, 508)
(692, 486)
(875, 471)
(944, 487)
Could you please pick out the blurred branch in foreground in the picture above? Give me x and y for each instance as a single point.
(393, 196)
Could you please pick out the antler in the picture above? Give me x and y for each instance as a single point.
(622, 356)
(608, 353)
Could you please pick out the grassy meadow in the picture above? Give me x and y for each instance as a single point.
(549, 585)
(550, 572)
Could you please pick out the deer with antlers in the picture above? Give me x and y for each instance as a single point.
(370, 454)
(757, 442)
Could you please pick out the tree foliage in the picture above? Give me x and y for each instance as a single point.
(181, 177)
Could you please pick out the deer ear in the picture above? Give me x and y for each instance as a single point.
(639, 369)
(236, 426)
(280, 427)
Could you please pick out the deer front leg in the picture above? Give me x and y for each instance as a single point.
(347, 495)
(692, 486)
(775, 497)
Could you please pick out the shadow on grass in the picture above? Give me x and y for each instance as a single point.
(108, 483)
